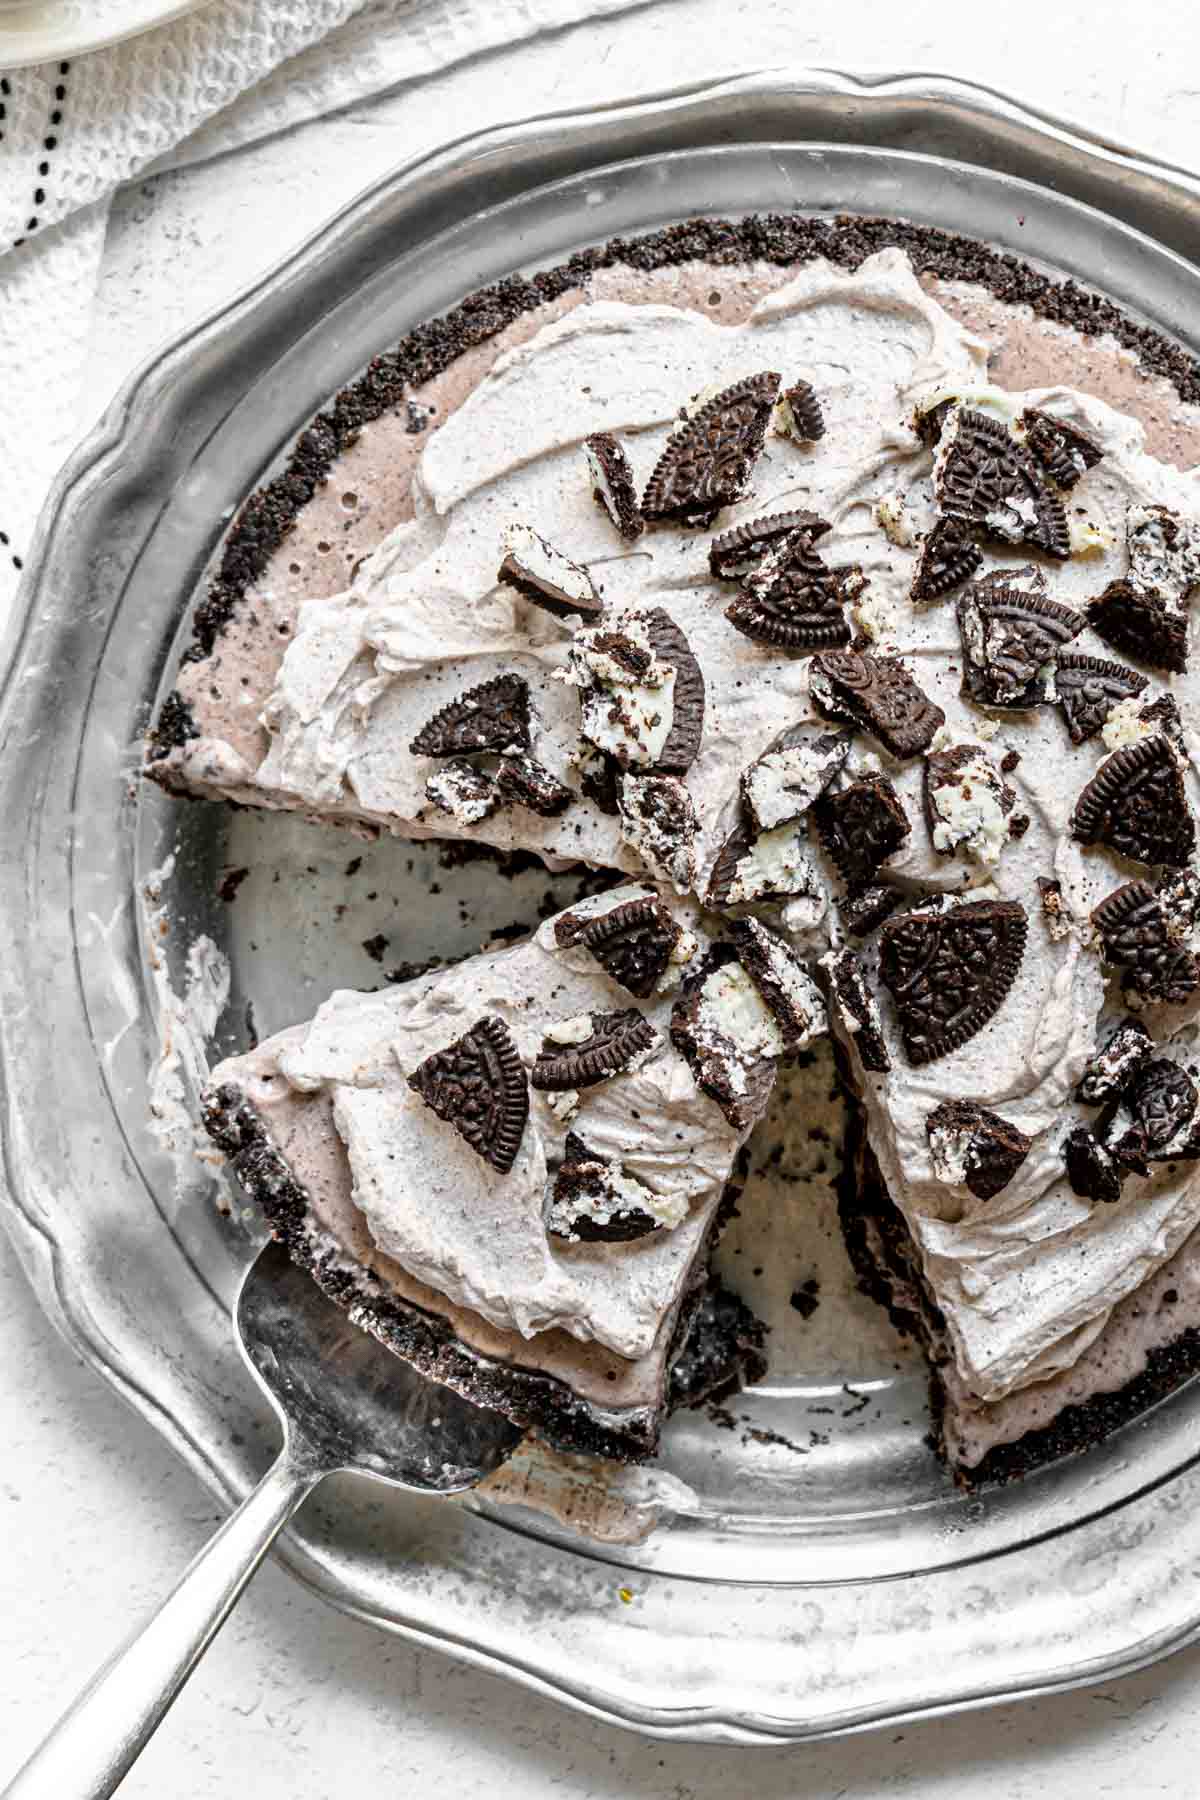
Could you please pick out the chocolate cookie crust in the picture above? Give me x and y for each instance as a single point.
(269, 513)
(535, 1401)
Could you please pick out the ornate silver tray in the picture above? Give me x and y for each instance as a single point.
(816, 1585)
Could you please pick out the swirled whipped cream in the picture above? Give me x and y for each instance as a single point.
(427, 617)
(1027, 1279)
(448, 1217)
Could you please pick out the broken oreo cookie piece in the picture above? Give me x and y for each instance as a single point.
(784, 984)
(633, 941)
(878, 694)
(861, 825)
(707, 462)
(974, 1148)
(578, 1053)
(1088, 687)
(1063, 450)
(1128, 1048)
(983, 476)
(793, 600)
(968, 804)
(593, 1200)
(547, 577)
(642, 696)
(466, 792)
(1136, 804)
(761, 865)
(1093, 1173)
(948, 556)
(1054, 908)
(1155, 1118)
(728, 1037)
(1141, 624)
(477, 1084)
(855, 1010)
(949, 969)
(527, 782)
(1164, 553)
(793, 772)
(612, 483)
(493, 716)
(1011, 634)
(544, 575)
(1132, 926)
(738, 551)
(658, 820)
(798, 414)
(863, 909)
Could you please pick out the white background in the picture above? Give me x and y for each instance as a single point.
(96, 1516)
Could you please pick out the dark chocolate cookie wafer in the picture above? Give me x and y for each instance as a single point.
(863, 909)
(1140, 623)
(878, 694)
(527, 782)
(761, 865)
(971, 1145)
(718, 1041)
(949, 970)
(986, 478)
(1063, 450)
(632, 942)
(615, 1042)
(1136, 804)
(707, 463)
(784, 985)
(687, 725)
(1094, 1174)
(861, 825)
(613, 485)
(477, 1084)
(492, 716)
(793, 771)
(1156, 1119)
(1135, 937)
(855, 1010)
(967, 802)
(737, 552)
(463, 790)
(799, 414)
(547, 577)
(593, 1202)
(793, 600)
(658, 820)
(1112, 1068)
(1010, 638)
(1088, 687)
(948, 556)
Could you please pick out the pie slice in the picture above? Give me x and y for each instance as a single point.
(457, 1160)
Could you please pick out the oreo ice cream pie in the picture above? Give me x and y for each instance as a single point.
(832, 582)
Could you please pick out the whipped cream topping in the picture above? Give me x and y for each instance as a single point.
(479, 1237)
(426, 618)
(1027, 1279)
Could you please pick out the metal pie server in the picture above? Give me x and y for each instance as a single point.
(345, 1403)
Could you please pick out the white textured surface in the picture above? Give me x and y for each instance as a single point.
(71, 132)
(98, 1516)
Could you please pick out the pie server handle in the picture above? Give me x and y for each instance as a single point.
(96, 1742)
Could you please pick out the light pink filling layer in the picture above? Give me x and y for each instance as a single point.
(365, 498)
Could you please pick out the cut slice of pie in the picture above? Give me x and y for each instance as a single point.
(509, 1172)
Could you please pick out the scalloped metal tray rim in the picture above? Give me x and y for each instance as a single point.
(1087, 166)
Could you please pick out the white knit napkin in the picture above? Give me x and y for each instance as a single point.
(219, 77)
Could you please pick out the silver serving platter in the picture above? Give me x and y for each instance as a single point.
(806, 1591)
